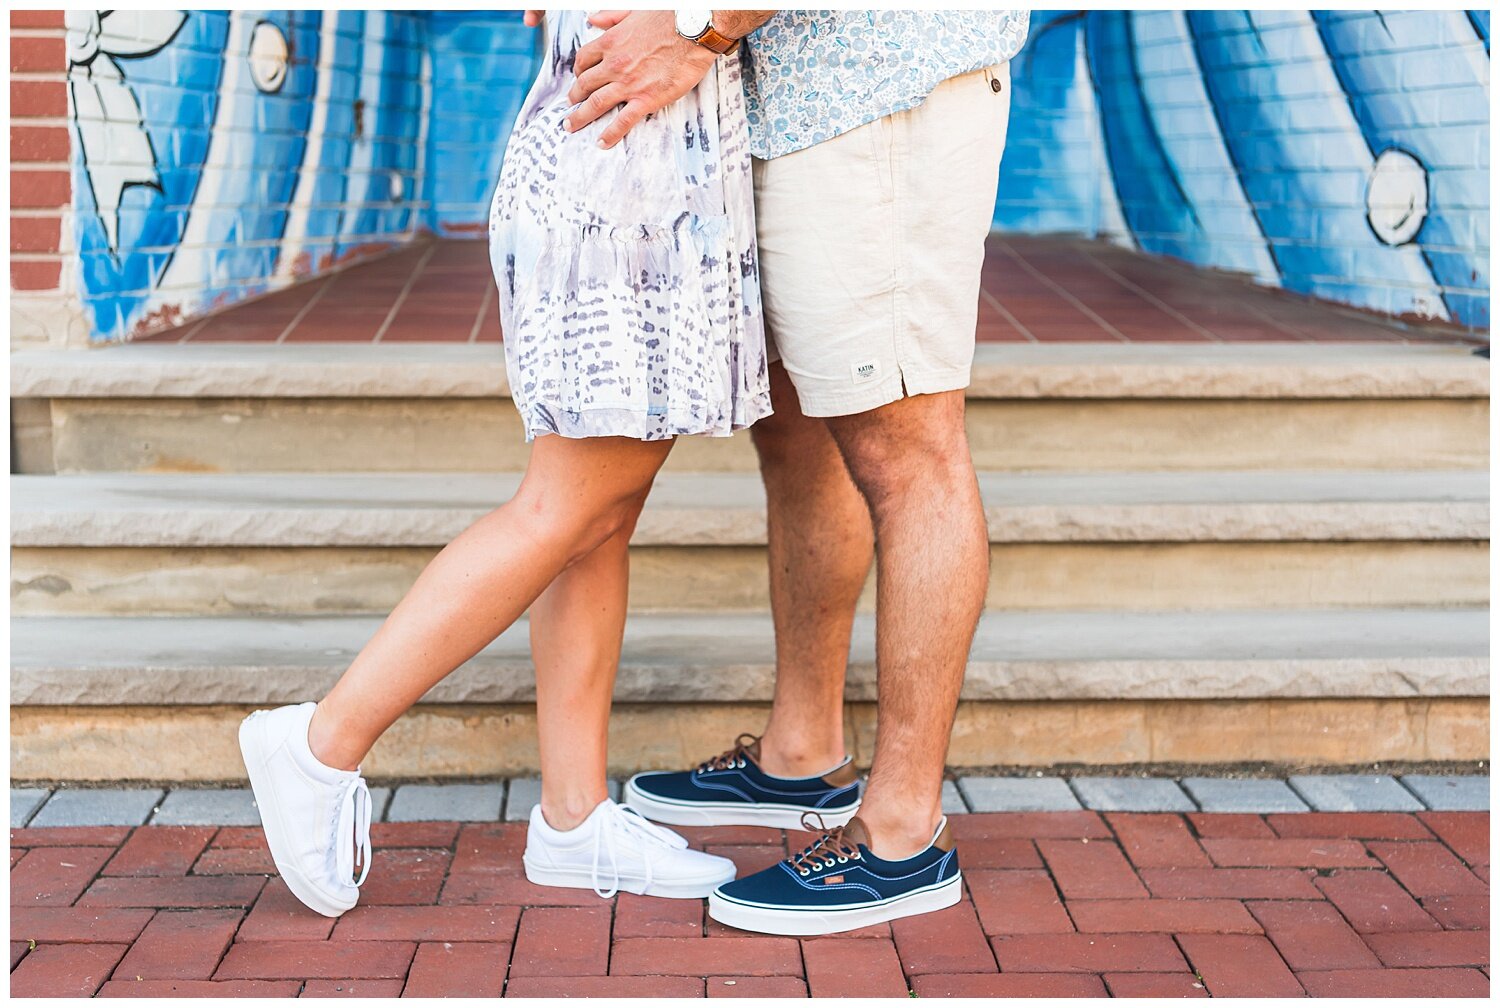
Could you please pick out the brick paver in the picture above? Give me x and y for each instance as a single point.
(1156, 840)
(182, 945)
(1354, 793)
(753, 987)
(850, 967)
(1312, 935)
(1240, 966)
(458, 969)
(1372, 901)
(1217, 794)
(1428, 869)
(573, 941)
(160, 850)
(197, 806)
(1056, 904)
(1467, 834)
(1155, 985)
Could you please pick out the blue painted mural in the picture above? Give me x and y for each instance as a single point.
(220, 155)
(1341, 154)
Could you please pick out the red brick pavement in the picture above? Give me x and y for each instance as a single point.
(1035, 289)
(1071, 904)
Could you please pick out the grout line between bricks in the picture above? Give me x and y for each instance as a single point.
(1150, 298)
(995, 304)
(478, 326)
(1401, 779)
(411, 281)
(1073, 790)
(1066, 295)
(302, 312)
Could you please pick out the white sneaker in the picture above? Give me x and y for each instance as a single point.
(615, 845)
(317, 818)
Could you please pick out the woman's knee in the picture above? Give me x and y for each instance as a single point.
(614, 521)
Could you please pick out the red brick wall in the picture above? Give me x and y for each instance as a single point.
(40, 180)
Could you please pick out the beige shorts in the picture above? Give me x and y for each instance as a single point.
(871, 245)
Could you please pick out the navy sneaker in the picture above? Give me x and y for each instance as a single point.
(732, 790)
(838, 885)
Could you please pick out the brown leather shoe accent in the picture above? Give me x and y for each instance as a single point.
(856, 832)
(843, 776)
(944, 841)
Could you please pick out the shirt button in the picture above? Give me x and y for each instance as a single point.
(995, 85)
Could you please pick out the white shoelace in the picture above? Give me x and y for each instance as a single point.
(353, 818)
(631, 823)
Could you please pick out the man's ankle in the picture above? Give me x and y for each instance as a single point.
(799, 760)
(899, 837)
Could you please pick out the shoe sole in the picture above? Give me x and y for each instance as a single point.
(729, 813)
(577, 878)
(779, 921)
(253, 749)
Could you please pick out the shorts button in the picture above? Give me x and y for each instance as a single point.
(995, 85)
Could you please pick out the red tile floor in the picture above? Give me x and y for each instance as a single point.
(1036, 289)
(1057, 904)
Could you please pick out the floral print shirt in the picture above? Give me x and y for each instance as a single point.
(813, 74)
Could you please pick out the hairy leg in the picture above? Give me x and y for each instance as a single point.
(911, 461)
(576, 494)
(821, 546)
(576, 630)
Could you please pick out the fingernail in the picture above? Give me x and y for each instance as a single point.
(604, 145)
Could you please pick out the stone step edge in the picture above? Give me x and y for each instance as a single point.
(717, 658)
(510, 799)
(1001, 371)
(693, 509)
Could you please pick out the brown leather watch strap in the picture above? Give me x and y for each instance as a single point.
(721, 44)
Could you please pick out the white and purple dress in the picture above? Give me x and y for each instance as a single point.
(629, 296)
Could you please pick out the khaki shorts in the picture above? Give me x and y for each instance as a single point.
(871, 245)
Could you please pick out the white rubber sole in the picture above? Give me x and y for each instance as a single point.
(579, 878)
(728, 813)
(253, 748)
(779, 921)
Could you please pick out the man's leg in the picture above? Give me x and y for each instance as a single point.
(910, 460)
(820, 544)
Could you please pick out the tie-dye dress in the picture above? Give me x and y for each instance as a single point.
(629, 297)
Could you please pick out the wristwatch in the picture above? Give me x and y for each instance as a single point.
(698, 26)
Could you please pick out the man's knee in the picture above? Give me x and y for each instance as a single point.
(787, 438)
(913, 443)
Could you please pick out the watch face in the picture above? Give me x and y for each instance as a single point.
(693, 23)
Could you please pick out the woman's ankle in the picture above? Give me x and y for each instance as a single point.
(567, 812)
(325, 744)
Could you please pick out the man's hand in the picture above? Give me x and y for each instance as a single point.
(639, 62)
(532, 18)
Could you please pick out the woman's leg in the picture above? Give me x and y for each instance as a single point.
(576, 631)
(576, 495)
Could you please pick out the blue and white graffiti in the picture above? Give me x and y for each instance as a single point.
(223, 154)
(1343, 154)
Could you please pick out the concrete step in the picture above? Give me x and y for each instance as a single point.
(296, 543)
(158, 699)
(1057, 407)
(727, 658)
